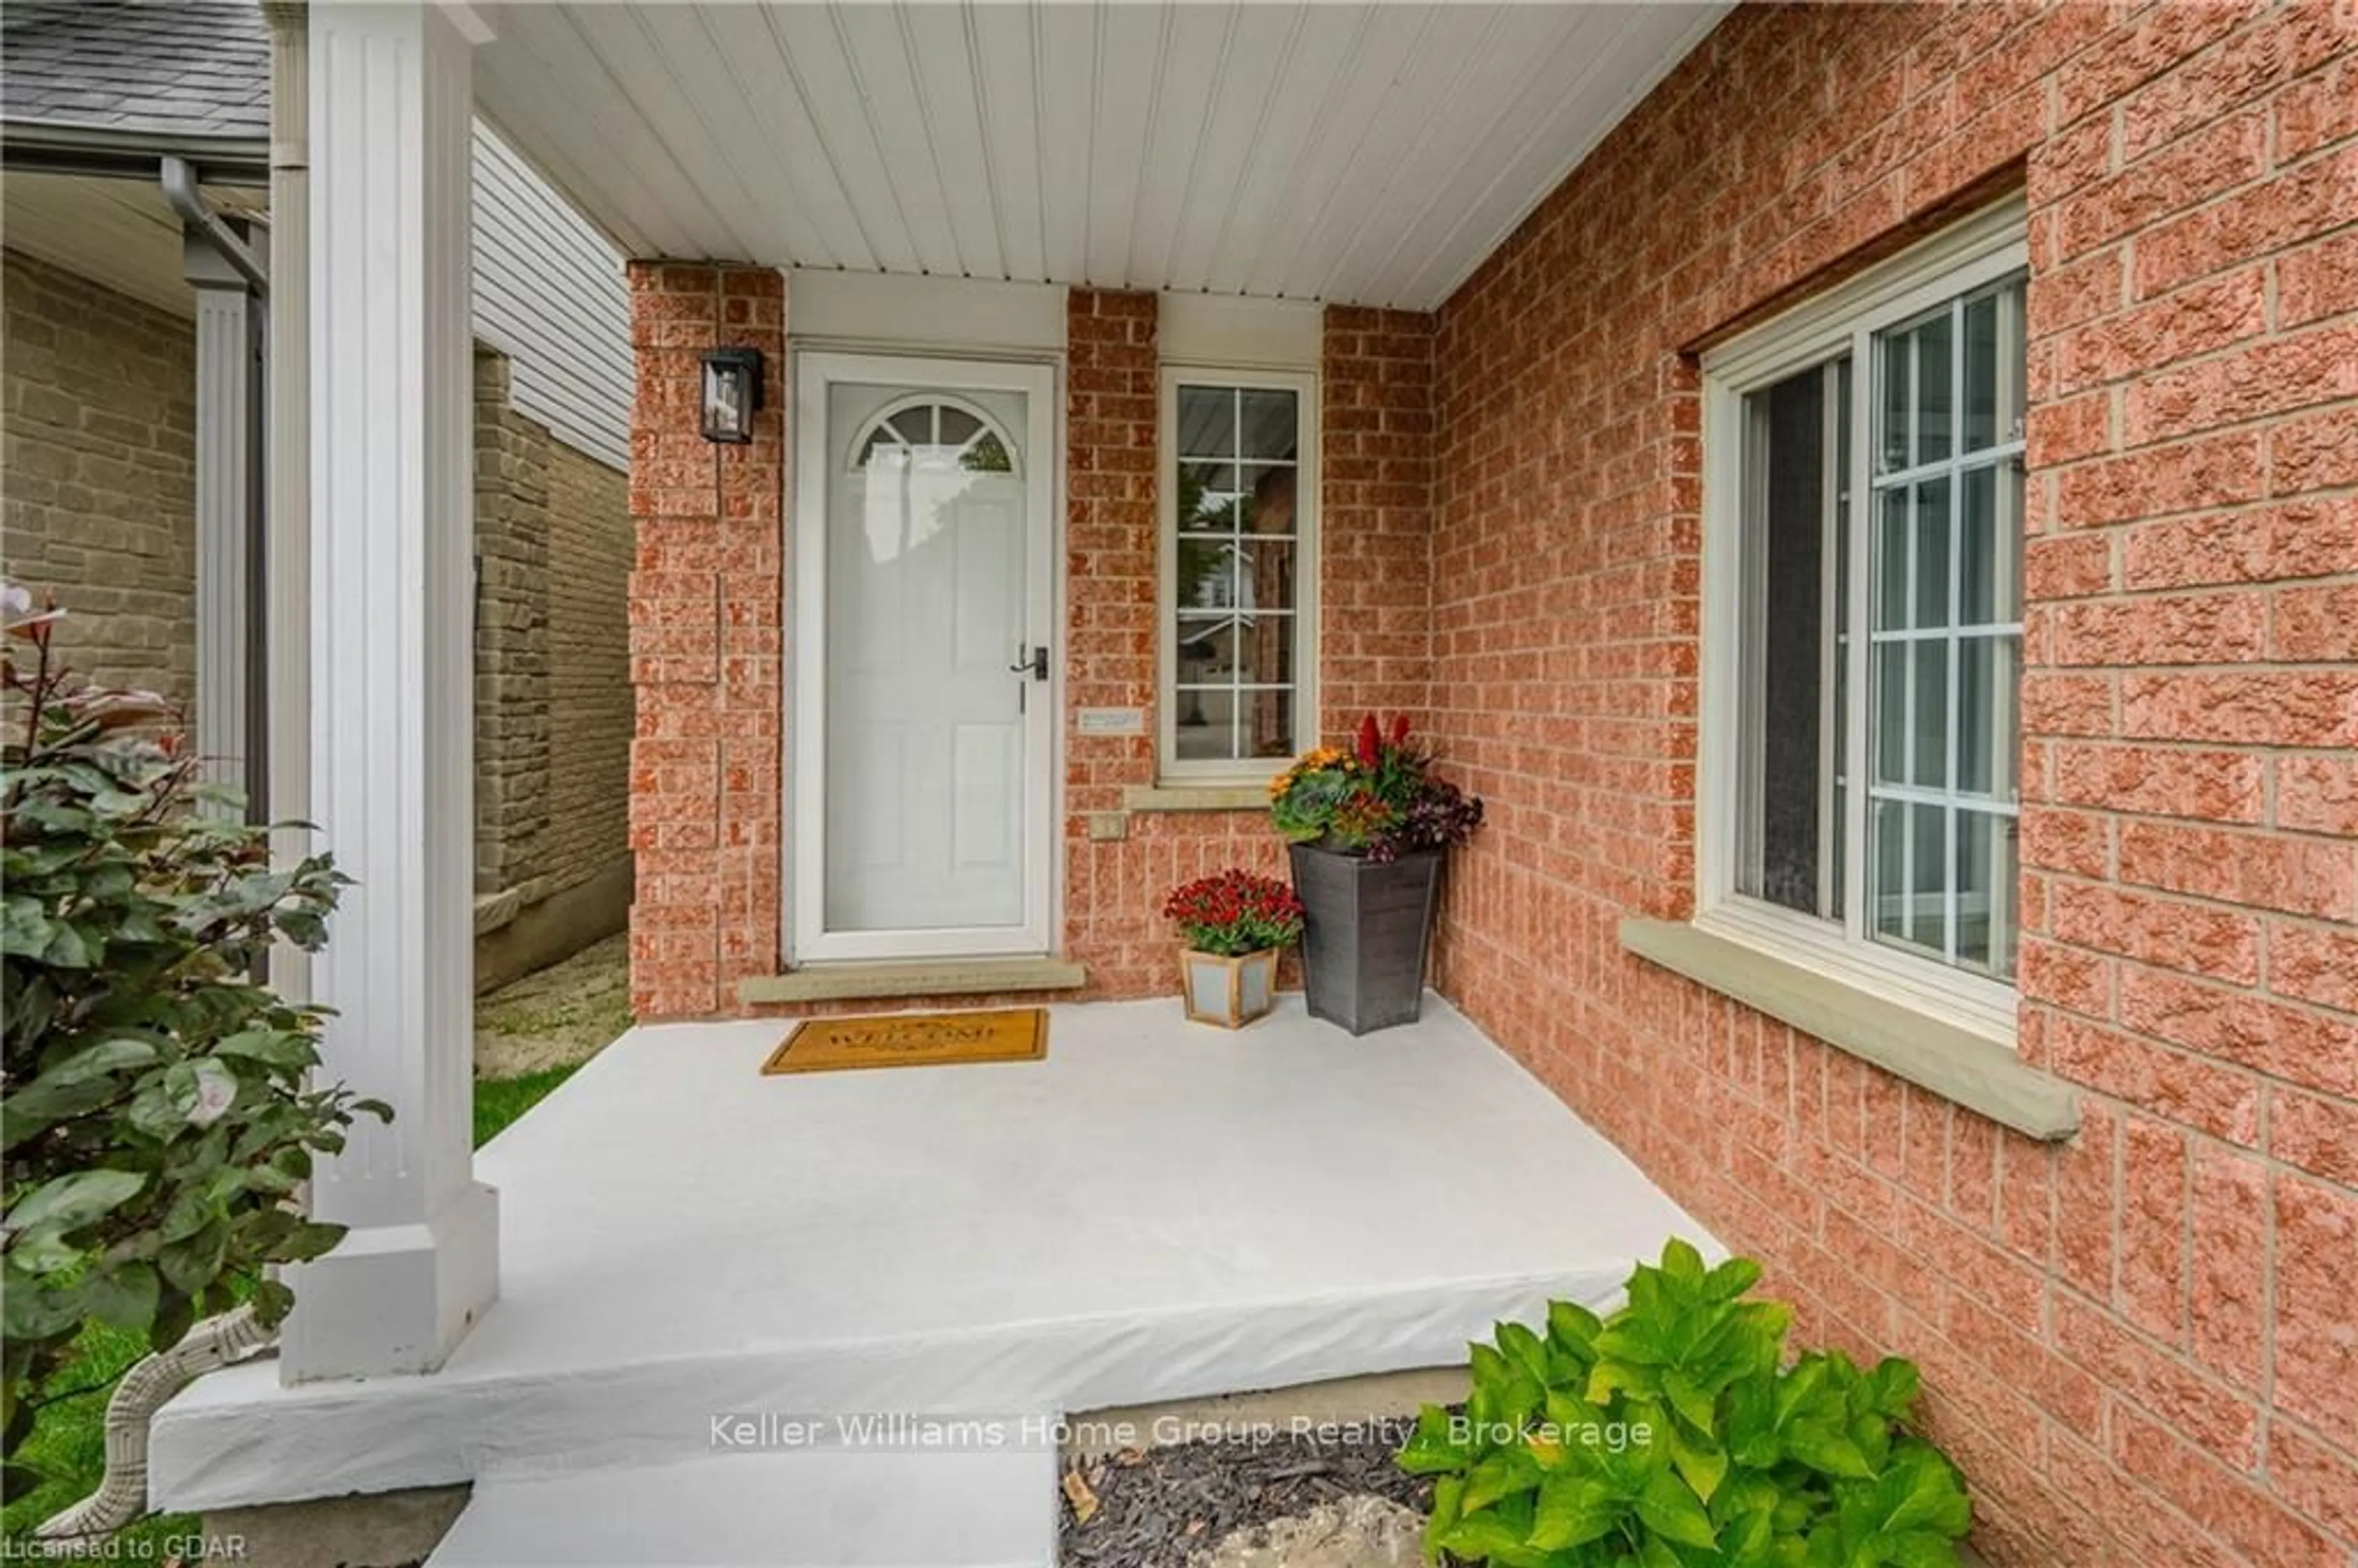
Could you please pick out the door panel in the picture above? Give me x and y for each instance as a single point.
(932, 753)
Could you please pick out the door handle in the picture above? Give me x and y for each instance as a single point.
(1036, 665)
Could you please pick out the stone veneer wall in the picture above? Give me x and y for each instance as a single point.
(552, 708)
(98, 472)
(2142, 1344)
(98, 492)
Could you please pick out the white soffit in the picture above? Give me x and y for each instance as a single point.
(119, 233)
(1362, 154)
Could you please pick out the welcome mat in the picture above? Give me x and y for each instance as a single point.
(912, 1040)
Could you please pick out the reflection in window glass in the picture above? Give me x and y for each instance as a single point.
(1233, 591)
(1945, 630)
(1929, 680)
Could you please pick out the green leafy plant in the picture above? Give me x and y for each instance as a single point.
(1673, 1435)
(158, 1121)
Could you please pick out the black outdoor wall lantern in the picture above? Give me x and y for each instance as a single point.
(732, 391)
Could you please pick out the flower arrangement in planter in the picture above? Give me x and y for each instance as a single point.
(1232, 927)
(1371, 826)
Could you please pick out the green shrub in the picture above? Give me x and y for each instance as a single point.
(1673, 1436)
(158, 1121)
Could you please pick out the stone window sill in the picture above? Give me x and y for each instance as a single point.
(937, 977)
(1956, 1064)
(1196, 797)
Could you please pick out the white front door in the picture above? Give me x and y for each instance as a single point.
(924, 719)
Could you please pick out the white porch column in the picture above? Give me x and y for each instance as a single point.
(391, 711)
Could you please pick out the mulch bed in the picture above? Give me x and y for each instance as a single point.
(1159, 1508)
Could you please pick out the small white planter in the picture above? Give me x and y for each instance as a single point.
(1228, 991)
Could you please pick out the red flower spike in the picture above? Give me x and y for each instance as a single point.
(1369, 742)
(1400, 729)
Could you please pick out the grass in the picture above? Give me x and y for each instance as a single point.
(69, 1441)
(499, 1101)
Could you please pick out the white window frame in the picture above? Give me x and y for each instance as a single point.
(1971, 254)
(1304, 385)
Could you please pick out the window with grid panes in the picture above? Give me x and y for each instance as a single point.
(1877, 541)
(1236, 631)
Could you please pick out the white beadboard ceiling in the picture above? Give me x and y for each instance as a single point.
(1366, 154)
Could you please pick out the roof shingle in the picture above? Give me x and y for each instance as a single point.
(185, 67)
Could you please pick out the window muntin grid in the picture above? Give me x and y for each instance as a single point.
(1941, 525)
(1233, 592)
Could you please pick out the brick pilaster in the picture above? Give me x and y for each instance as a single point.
(706, 645)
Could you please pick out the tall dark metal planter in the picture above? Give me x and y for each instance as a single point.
(1366, 931)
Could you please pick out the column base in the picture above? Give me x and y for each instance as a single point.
(395, 1298)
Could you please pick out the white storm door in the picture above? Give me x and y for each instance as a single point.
(925, 740)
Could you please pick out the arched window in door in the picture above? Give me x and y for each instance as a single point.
(934, 431)
(911, 461)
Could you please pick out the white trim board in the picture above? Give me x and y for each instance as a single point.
(1221, 330)
(938, 315)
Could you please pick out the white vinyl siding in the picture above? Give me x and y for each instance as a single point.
(550, 295)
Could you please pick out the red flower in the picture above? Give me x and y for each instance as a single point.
(1370, 741)
(1400, 729)
(1235, 912)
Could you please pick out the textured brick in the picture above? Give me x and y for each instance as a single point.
(2258, 870)
(2195, 937)
(702, 596)
(2136, 1368)
(2154, 1173)
(2228, 1231)
(2315, 625)
(2270, 708)
(2318, 794)
(2315, 1133)
(100, 454)
(2302, 1044)
(2222, 1101)
(553, 716)
(2201, 629)
(2315, 963)
(2211, 785)
(2187, 714)
(2268, 544)
(2316, 1332)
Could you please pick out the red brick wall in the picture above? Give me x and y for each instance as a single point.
(706, 644)
(706, 635)
(1375, 493)
(1114, 889)
(2143, 1344)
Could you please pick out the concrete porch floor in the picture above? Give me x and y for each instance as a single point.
(1159, 1210)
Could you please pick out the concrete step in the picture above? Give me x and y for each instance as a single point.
(798, 1508)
